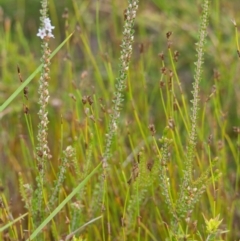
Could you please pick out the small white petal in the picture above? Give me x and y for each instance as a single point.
(48, 27)
(50, 35)
(41, 33)
(47, 21)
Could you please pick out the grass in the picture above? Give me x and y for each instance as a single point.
(149, 186)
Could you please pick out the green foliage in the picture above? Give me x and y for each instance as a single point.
(131, 157)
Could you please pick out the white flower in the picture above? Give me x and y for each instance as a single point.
(50, 35)
(41, 33)
(47, 24)
(49, 27)
(47, 20)
(46, 30)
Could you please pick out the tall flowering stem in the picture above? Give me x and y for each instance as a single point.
(187, 175)
(42, 149)
(126, 52)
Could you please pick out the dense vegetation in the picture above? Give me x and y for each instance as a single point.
(125, 125)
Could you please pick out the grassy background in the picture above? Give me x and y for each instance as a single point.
(87, 66)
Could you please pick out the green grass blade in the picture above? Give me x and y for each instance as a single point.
(11, 223)
(81, 228)
(62, 204)
(29, 79)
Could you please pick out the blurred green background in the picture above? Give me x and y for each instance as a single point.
(19, 46)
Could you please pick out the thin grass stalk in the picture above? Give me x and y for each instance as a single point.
(188, 162)
(42, 149)
(126, 52)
